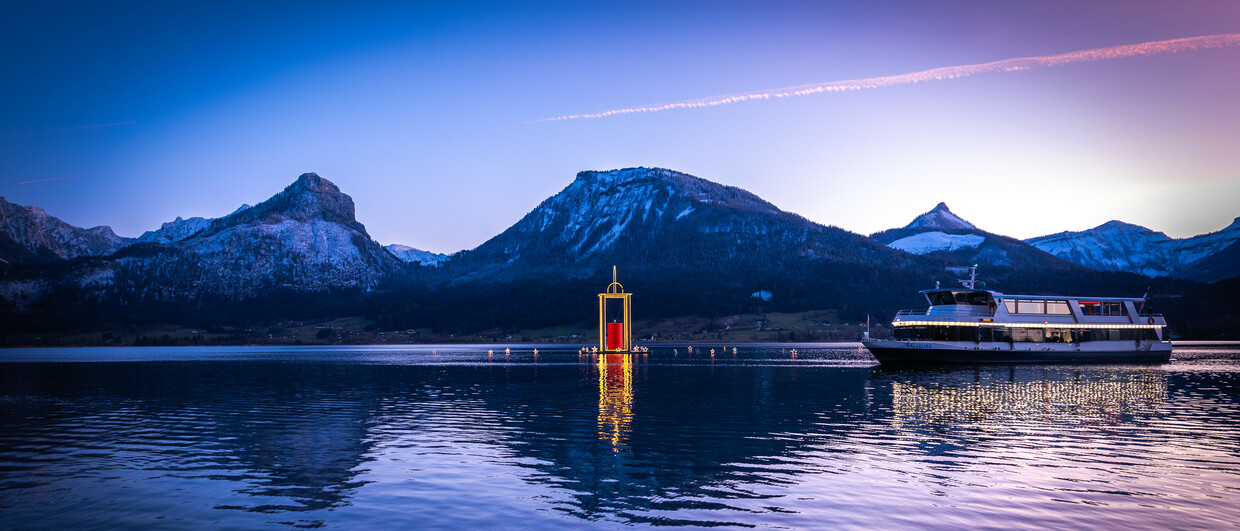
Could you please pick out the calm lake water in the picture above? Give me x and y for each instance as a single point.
(456, 437)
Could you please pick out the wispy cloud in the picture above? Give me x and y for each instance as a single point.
(176, 165)
(948, 72)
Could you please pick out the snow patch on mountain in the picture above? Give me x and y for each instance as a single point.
(928, 242)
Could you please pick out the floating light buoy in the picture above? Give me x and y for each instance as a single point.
(615, 332)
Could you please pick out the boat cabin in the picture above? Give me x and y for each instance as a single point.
(960, 302)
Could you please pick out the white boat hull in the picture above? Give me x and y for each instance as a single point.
(970, 352)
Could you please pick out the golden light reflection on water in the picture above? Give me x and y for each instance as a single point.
(977, 397)
(615, 399)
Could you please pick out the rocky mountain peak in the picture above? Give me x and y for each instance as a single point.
(309, 198)
(940, 217)
(311, 181)
(28, 234)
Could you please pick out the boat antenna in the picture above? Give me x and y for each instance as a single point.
(971, 283)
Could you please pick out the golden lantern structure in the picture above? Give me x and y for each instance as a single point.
(614, 317)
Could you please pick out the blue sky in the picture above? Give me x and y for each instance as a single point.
(129, 114)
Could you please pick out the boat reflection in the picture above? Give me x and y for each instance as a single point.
(950, 398)
(615, 399)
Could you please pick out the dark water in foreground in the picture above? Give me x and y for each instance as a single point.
(437, 437)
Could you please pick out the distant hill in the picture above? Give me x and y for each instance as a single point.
(651, 217)
(1119, 246)
(409, 254)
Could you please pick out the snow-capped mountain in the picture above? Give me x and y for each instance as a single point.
(940, 217)
(937, 230)
(175, 230)
(946, 236)
(1113, 246)
(658, 216)
(1204, 245)
(28, 235)
(303, 239)
(409, 254)
(179, 229)
(1119, 246)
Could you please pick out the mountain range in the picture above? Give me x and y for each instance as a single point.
(694, 246)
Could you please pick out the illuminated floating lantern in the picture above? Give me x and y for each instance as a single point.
(614, 316)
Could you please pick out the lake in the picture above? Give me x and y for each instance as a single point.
(766, 436)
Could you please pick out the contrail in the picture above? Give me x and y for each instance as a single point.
(947, 72)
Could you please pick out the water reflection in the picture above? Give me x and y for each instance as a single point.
(615, 398)
(977, 395)
(758, 440)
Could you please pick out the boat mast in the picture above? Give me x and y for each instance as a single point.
(971, 283)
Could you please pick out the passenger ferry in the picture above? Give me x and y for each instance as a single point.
(973, 325)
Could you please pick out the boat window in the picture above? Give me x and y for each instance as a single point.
(985, 333)
(1091, 308)
(1058, 335)
(1026, 306)
(1113, 308)
(1002, 334)
(1010, 304)
(1035, 335)
(912, 332)
(1058, 308)
(979, 298)
(939, 298)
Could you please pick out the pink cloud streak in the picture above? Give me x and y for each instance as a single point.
(1186, 44)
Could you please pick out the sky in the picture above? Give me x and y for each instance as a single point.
(446, 122)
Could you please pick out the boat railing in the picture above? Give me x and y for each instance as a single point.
(980, 312)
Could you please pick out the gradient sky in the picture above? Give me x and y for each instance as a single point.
(129, 114)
